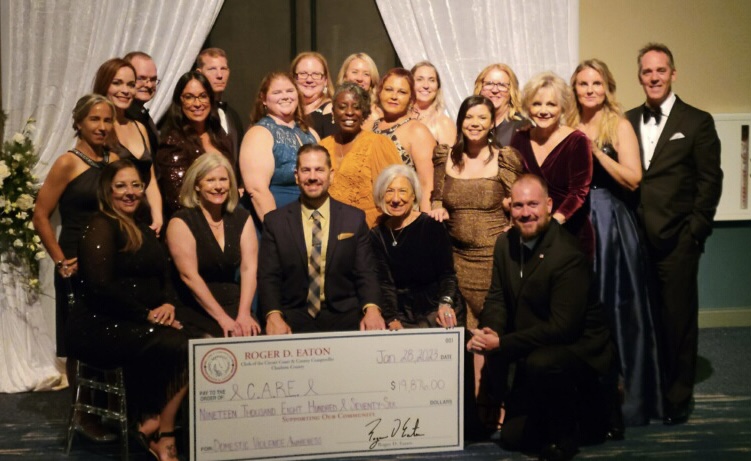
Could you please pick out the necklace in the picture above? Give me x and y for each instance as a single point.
(395, 238)
(217, 225)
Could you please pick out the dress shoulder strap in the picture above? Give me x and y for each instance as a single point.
(89, 161)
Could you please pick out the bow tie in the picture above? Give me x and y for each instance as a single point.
(222, 105)
(649, 112)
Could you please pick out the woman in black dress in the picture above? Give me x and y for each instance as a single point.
(116, 80)
(414, 256)
(71, 186)
(126, 316)
(210, 238)
(192, 128)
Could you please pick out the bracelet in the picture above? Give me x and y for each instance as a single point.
(447, 300)
(60, 264)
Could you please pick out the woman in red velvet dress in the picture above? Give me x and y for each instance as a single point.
(558, 154)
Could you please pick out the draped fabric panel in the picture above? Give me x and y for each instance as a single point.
(461, 37)
(51, 50)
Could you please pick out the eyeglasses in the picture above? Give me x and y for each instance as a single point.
(502, 87)
(202, 98)
(145, 80)
(121, 187)
(304, 75)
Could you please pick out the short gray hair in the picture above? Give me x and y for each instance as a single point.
(197, 171)
(387, 176)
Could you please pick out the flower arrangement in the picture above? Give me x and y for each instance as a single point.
(18, 189)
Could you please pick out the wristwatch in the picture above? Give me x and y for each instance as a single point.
(446, 300)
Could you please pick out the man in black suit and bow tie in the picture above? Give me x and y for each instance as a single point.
(316, 270)
(679, 193)
(213, 63)
(541, 313)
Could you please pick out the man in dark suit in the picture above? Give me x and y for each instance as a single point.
(316, 270)
(146, 85)
(213, 63)
(679, 193)
(541, 314)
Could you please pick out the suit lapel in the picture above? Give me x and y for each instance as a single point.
(538, 255)
(334, 230)
(671, 127)
(294, 221)
(513, 265)
(634, 116)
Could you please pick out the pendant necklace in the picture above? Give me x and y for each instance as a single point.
(395, 238)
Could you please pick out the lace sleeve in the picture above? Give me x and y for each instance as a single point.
(97, 262)
(440, 156)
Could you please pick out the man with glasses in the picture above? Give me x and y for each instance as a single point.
(146, 83)
(212, 62)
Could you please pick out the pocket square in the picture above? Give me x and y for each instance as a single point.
(345, 235)
(677, 135)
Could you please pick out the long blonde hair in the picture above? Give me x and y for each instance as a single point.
(607, 129)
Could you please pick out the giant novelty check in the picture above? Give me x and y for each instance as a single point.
(326, 395)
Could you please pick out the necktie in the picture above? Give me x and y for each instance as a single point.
(649, 112)
(314, 267)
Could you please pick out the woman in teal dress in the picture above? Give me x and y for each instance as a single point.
(268, 153)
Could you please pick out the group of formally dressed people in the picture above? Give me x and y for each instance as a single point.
(562, 233)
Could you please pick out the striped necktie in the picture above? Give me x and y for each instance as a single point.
(314, 267)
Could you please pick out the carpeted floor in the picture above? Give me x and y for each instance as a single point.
(32, 425)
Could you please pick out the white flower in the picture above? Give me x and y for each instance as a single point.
(22, 215)
(2, 200)
(40, 255)
(30, 226)
(17, 157)
(19, 138)
(25, 202)
(11, 232)
(17, 243)
(4, 171)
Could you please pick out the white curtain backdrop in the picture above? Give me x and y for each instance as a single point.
(50, 51)
(461, 37)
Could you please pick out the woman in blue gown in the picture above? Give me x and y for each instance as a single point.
(619, 262)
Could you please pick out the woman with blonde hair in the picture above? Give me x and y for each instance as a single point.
(559, 154)
(359, 68)
(311, 73)
(498, 83)
(210, 239)
(619, 262)
(429, 104)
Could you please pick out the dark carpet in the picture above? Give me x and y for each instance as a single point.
(32, 425)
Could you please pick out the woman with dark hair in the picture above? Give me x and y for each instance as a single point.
(311, 72)
(269, 149)
(498, 83)
(413, 140)
(116, 80)
(210, 240)
(619, 262)
(126, 317)
(558, 153)
(471, 184)
(429, 104)
(192, 128)
(357, 156)
(71, 187)
(414, 259)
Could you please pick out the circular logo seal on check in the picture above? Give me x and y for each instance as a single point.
(218, 365)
